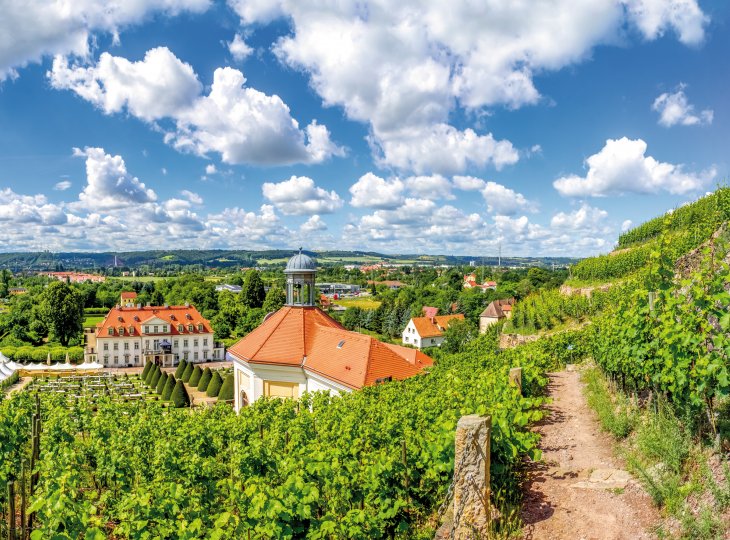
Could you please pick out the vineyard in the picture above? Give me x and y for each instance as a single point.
(375, 463)
(683, 229)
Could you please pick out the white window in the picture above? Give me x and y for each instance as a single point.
(116, 346)
(106, 346)
(200, 327)
(205, 342)
(195, 355)
(195, 343)
(106, 359)
(147, 344)
(164, 328)
(116, 360)
(146, 329)
(185, 342)
(136, 358)
(174, 343)
(111, 331)
(155, 329)
(136, 345)
(126, 346)
(205, 354)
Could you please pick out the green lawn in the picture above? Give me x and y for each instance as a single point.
(92, 320)
(364, 302)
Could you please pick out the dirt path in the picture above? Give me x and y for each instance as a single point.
(579, 491)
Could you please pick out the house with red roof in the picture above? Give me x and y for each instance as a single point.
(302, 349)
(428, 331)
(470, 282)
(128, 299)
(495, 312)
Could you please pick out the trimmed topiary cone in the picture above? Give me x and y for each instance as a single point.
(180, 368)
(180, 396)
(205, 380)
(161, 383)
(169, 387)
(226, 393)
(195, 377)
(214, 387)
(148, 378)
(155, 377)
(188, 371)
(146, 370)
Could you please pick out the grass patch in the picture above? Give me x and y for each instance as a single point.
(617, 414)
(92, 320)
(364, 302)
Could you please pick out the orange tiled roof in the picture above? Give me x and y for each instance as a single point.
(136, 317)
(434, 327)
(129, 295)
(309, 338)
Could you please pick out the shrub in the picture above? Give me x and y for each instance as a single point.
(75, 354)
(226, 393)
(161, 383)
(180, 368)
(146, 370)
(10, 381)
(180, 396)
(188, 372)
(169, 387)
(9, 352)
(155, 377)
(214, 387)
(24, 354)
(195, 377)
(150, 373)
(205, 380)
(39, 354)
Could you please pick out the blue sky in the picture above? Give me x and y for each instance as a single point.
(394, 127)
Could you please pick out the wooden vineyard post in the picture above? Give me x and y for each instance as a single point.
(472, 495)
(515, 377)
(11, 510)
(23, 502)
(404, 457)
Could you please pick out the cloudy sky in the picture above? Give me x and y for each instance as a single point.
(395, 126)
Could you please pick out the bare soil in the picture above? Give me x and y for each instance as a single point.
(580, 490)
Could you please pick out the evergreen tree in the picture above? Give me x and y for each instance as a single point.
(180, 368)
(253, 293)
(214, 387)
(180, 396)
(227, 390)
(169, 387)
(275, 299)
(146, 370)
(156, 377)
(205, 380)
(195, 377)
(188, 372)
(161, 383)
(150, 373)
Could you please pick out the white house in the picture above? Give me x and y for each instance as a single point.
(132, 336)
(495, 312)
(302, 349)
(428, 331)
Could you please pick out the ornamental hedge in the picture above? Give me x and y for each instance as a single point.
(195, 377)
(214, 387)
(180, 396)
(226, 393)
(161, 383)
(180, 368)
(187, 373)
(205, 380)
(169, 387)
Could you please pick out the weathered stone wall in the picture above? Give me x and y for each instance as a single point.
(509, 341)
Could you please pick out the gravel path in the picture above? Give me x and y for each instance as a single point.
(580, 491)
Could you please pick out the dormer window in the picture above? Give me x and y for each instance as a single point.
(121, 330)
(200, 327)
(111, 331)
(131, 330)
(180, 328)
(190, 328)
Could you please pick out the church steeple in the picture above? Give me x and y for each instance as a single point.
(301, 272)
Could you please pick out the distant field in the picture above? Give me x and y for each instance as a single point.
(272, 261)
(92, 320)
(362, 303)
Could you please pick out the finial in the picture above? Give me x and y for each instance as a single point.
(300, 250)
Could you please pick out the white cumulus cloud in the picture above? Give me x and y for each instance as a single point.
(312, 225)
(63, 185)
(622, 166)
(300, 196)
(240, 123)
(372, 191)
(239, 49)
(674, 108)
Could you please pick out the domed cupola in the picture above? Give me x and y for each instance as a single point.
(301, 272)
